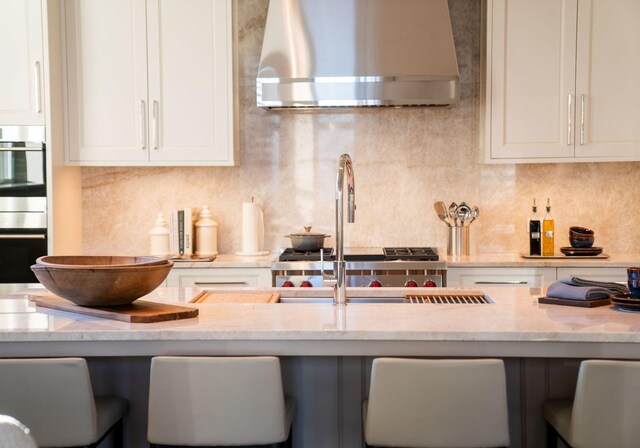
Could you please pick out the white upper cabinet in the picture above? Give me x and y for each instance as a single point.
(149, 83)
(21, 76)
(608, 79)
(561, 81)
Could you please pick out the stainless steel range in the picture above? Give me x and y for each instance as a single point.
(365, 267)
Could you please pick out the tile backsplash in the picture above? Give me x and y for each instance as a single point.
(404, 160)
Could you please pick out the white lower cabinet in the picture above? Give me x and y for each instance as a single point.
(492, 277)
(598, 274)
(219, 277)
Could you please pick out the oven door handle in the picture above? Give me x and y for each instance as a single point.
(26, 236)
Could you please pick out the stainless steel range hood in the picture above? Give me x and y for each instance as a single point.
(333, 53)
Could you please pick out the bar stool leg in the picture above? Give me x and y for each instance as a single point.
(552, 440)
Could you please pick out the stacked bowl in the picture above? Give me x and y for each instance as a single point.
(581, 242)
(581, 237)
(101, 280)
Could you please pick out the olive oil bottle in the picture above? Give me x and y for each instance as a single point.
(535, 232)
(547, 233)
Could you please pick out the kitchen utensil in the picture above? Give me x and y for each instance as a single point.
(580, 231)
(586, 251)
(99, 261)
(463, 213)
(475, 212)
(101, 280)
(142, 311)
(307, 241)
(452, 213)
(238, 297)
(458, 243)
(441, 210)
(581, 242)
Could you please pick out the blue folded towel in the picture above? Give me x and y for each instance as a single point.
(615, 288)
(561, 290)
(575, 288)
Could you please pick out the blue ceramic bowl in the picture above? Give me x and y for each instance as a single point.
(580, 231)
(633, 273)
(634, 287)
(581, 241)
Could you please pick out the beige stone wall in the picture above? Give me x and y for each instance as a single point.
(404, 160)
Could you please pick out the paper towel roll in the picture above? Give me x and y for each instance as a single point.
(252, 229)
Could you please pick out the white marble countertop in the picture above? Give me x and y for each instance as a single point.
(230, 261)
(517, 260)
(484, 260)
(515, 325)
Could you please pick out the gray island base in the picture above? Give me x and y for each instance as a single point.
(326, 351)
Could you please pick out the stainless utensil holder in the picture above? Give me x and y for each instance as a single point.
(458, 243)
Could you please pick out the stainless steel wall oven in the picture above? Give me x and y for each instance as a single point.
(23, 201)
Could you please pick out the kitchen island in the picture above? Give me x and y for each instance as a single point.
(326, 351)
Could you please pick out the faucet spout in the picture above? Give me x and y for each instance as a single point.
(345, 169)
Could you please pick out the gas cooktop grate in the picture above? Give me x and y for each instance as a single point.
(449, 299)
(410, 253)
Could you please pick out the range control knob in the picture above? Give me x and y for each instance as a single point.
(375, 284)
(287, 284)
(410, 284)
(429, 284)
(305, 284)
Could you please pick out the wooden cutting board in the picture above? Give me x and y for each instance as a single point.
(238, 297)
(140, 311)
(581, 303)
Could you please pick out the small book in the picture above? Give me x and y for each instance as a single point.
(173, 232)
(181, 232)
(188, 231)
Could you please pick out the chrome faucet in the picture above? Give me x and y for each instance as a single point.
(339, 278)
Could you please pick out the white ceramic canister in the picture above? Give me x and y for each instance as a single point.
(159, 238)
(206, 234)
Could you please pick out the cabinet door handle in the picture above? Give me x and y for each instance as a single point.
(143, 128)
(503, 282)
(36, 73)
(28, 236)
(582, 119)
(219, 283)
(156, 137)
(569, 107)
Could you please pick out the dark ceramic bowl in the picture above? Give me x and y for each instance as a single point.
(580, 231)
(634, 287)
(581, 241)
(633, 273)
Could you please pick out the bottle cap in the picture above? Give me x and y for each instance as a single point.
(160, 221)
(205, 212)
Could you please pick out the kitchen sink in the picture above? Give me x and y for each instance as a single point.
(458, 298)
(350, 300)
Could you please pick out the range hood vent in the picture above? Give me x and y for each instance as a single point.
(334, 53)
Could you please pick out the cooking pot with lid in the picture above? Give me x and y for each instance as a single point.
(307, 241)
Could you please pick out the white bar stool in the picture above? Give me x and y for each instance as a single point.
(423, 403)
(218, 401)
(14, 434)
(605, 411)
(54, 399)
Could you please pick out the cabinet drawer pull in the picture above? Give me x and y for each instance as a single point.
(156, 136)
(569, 107)
(28, 236)
(504, 282)
(36, 69)
(143, 128)
(582, 119)
(219, 283)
